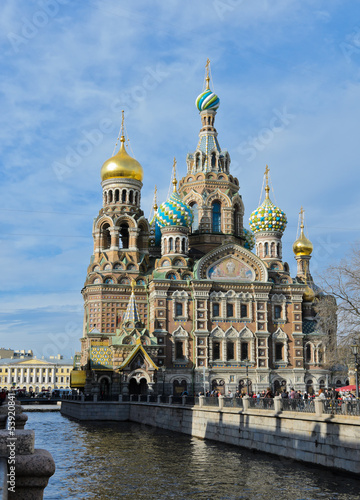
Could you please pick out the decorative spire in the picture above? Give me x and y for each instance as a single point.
(267, 189)
(174, 175)
(207, 70)
(155, 199)
(131, 313)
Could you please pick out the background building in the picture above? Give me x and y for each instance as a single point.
(23, 371)
(191, 299)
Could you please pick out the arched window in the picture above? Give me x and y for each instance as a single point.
(216, 217)
(123, 196)
(110, 196)
(116, 195)
(308, 353)
(136, 198)
(106, 237)
(124, 235)
(171, 244)
(195, 211)
(213, 160)
(266, 249)
(183, 246)
(197, 161)
(131, 196)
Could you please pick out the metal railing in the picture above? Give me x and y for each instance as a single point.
(299, 405)
(232, 402)
(342, 407)
(261, 403)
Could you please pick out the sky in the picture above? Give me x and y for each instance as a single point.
(287, 74)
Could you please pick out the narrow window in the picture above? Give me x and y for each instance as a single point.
(124, 235)
(243, 311)
(171, 244)
(216, 217)
(278, 351)
(277, 311)
(123, 196)
(230, 310)
(216, 350)
(266, 249)
(178, 309)
(195, 211)
(179, 350)
(244, 351)
(216, 309)
(308, 352)
(131, 197)
(230, 350)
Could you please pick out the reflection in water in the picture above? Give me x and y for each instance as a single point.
(129, 461)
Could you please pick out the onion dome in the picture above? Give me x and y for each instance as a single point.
(302, 245)
(309, 294)
(268, 217)
(174, 212)
(122, 165)
(249, 239)
(207, 100)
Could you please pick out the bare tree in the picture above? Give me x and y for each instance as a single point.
(342, 284)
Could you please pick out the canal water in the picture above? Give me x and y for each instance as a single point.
(107, 461)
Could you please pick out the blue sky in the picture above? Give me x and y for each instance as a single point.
(287, 74)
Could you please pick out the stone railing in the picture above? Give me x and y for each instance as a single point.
(28, 470)
(316, 406)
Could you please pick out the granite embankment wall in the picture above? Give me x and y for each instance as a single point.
(327, 440)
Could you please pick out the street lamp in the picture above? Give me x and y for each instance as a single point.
(163, 369)
(355, 350)
(247, 364)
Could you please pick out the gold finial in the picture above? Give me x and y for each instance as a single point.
(155, 199)
(174, 175)
(267, 189)
(133, 285)
(207, 69)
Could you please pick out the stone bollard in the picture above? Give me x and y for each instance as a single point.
(183, 400)
(278, 404)
(319, 406)
(120, 398)
(95, 398)
(29, 469)
(20, 417)
(148, 398)
(246, 400)
(170, 400)
(201, 401)
(221, 402)
(82, 397)
(159, 399)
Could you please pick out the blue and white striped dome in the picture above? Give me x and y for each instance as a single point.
(207, 100)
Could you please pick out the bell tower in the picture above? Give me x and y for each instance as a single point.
(209, 188)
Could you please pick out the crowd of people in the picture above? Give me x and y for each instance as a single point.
(292, 394)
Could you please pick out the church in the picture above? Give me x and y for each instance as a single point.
(190, 300)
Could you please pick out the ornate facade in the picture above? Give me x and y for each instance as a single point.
(181, 301)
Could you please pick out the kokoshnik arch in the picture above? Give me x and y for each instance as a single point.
(192, 293)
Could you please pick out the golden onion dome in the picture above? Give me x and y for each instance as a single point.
(122, 165)
(302, 245)
(309, 294)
